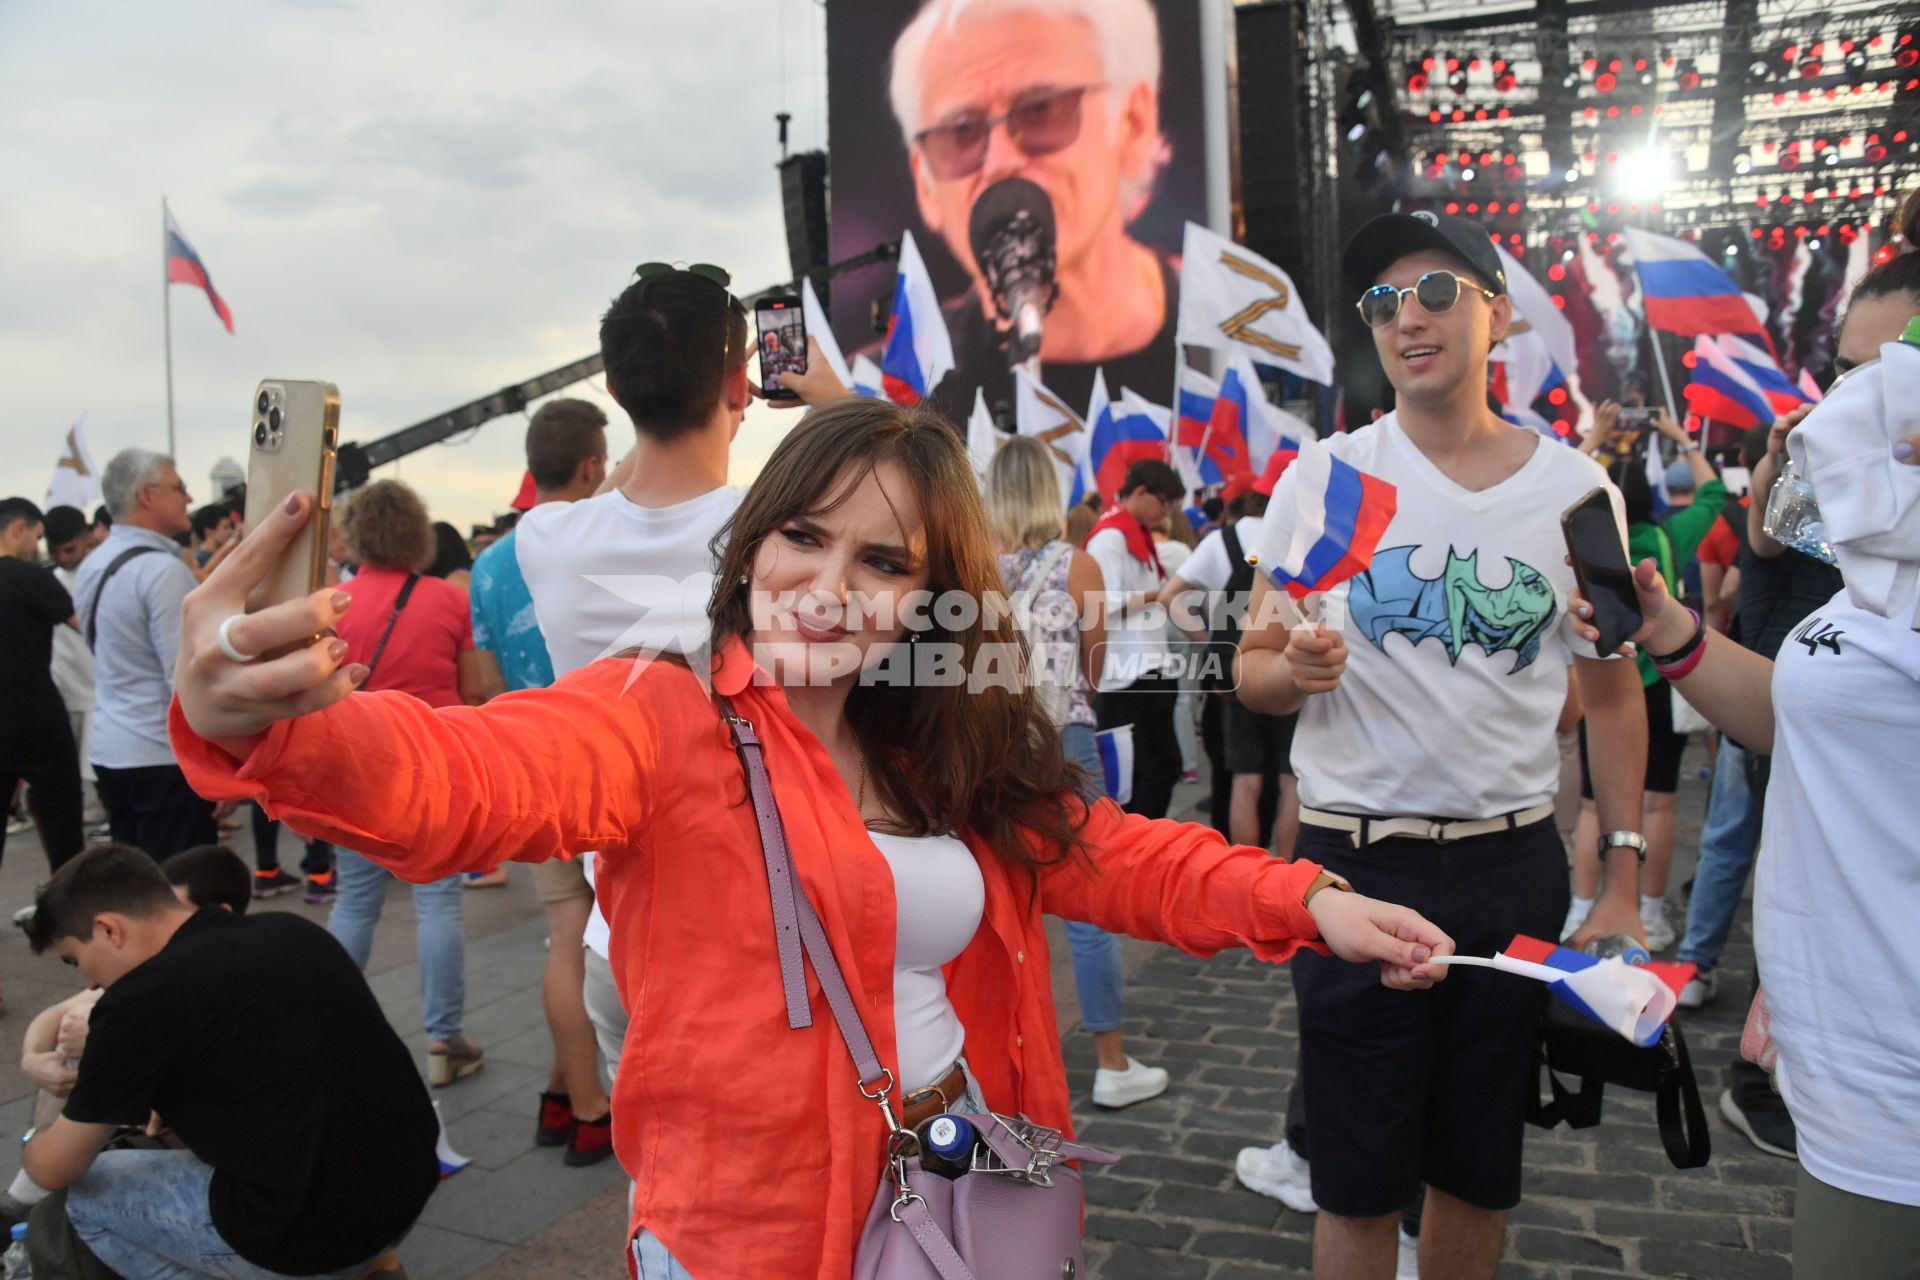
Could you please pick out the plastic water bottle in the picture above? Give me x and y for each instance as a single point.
(14, 1263)
(1618, 944)
(946, 1145)
(1793, 516)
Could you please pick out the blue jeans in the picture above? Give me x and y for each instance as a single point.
(144, 1213)
(1096, 953)
(1727, 844)
(437, 906)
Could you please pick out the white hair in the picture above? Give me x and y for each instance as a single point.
(126, 472)
(1126, 32)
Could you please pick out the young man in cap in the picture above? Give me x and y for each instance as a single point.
(1427, 764)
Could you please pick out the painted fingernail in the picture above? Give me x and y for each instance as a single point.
(1420, 954)
(340, 601)
(357, 674)
(1585, 611)
(293, 503)
(1903, 451)
(337, 650)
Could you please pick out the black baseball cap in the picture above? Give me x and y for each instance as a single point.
(1392, 236)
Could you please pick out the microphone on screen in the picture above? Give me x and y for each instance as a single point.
(1012, 235)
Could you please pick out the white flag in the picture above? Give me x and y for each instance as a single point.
(983, 438)
(1233, 299)
(821, 332)
(1039, 413)
(76, 481)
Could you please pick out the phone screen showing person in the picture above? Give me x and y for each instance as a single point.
(782, 327)
(1600, 567)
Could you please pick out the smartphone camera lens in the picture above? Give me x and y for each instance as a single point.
(273, 418)
(263, 402)
(260, 435)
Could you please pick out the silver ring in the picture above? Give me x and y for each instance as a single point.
(226, 640)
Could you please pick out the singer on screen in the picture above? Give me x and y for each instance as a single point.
(1065, 96)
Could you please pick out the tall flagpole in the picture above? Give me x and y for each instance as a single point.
(166, 317)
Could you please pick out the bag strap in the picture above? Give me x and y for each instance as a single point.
(794, 914)
(93, 614)
(1689, 1145)
(399, 603)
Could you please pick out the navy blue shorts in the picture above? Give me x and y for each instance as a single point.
(1428, 1086)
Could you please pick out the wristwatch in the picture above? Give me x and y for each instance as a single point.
(1327, 880)
(1623, 840)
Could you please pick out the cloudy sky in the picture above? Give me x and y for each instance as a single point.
(420, 202)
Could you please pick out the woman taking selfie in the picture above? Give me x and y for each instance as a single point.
(930, 825)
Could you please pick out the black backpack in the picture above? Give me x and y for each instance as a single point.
(1223, 642)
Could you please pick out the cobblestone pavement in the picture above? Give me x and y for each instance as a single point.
(1600, 1203)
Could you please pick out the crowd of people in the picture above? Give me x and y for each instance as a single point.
(569, 697)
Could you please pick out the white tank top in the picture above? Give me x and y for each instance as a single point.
(941, 897)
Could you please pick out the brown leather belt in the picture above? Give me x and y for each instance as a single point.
(944, 1094)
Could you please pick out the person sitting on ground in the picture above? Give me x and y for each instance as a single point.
(305, 1137)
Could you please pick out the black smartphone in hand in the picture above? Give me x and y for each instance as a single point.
(781, 324)
(1600, 567)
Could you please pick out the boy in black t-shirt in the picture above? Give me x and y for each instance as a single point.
(308, 1136)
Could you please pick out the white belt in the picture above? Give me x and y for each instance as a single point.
(1364, 831)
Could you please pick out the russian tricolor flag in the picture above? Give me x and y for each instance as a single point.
(1329, 531)
(1261, 428)
(1132, 429)
(1116, 762)
(1724, 390)
(1685, 292)
(184, 267)
(866, 376)
(1216, 456)
(918, 351)
(1758, 363)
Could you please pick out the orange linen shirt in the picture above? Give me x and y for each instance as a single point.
(751, 1148)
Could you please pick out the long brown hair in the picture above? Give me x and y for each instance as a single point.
(945, 757)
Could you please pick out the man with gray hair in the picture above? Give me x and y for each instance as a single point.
(1065, 94)
(127, 598)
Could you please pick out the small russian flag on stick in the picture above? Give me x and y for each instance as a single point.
(1324, 529)
(1116, 762)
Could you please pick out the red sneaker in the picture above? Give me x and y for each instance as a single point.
(556, 1120)
(592, 1141)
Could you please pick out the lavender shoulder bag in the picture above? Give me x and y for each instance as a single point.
(1016, 1215)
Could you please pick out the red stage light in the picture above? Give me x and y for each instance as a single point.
(1514, 239)
(1853, 193)
(1613, 113)
(1453, 64)
(1846, 46)
(1426, 63)
(1639, 64)
(1779, 99)
(1562, 428)
(1560, 303)
(1458, 115)
(1592, 207)
(1507, 158)
(1433, 116)
(1504, 82)
(1689, 79)
(1514, 207)
(1453, 206)
(1820, 230)
(1466, 157)
(1819, 49)
(1499, 64)
(1502, 114)
(1557, 396)
(1612, 208)
(1900, 135)
(1613, 64)
(1806, 197)
(1791, 160)
(1906, 58)
(1613, 157)
(1486, 157)
(1480, 114)
(1800, 231)
(1493, 237)
(1588, 112)
(1613, 238)
(1692, 423)
(1760, 200)
(1689, 360)
(1557, 271)
(1634, 110)
(1755, 233)
(1473, 64)
(1883, 254)
(1810, 69)
(1848, 233)
(1473, 206)
(1417, 83)
(1589, 62)
(1604, 82)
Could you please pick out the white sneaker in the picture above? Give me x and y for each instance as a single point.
(1659, 929)
(1576, 916)
(1701, 987)
(1124, 1088)
(1277, 1172)
(1408, 1267)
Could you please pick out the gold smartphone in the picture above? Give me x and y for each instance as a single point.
(295, 430)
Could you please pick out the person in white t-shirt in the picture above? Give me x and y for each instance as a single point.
(1133, 688)
(1426, 763)
(1837, 884)
(632, 566)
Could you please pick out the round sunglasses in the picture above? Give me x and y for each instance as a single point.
(1436, 291)
(1040, 123)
